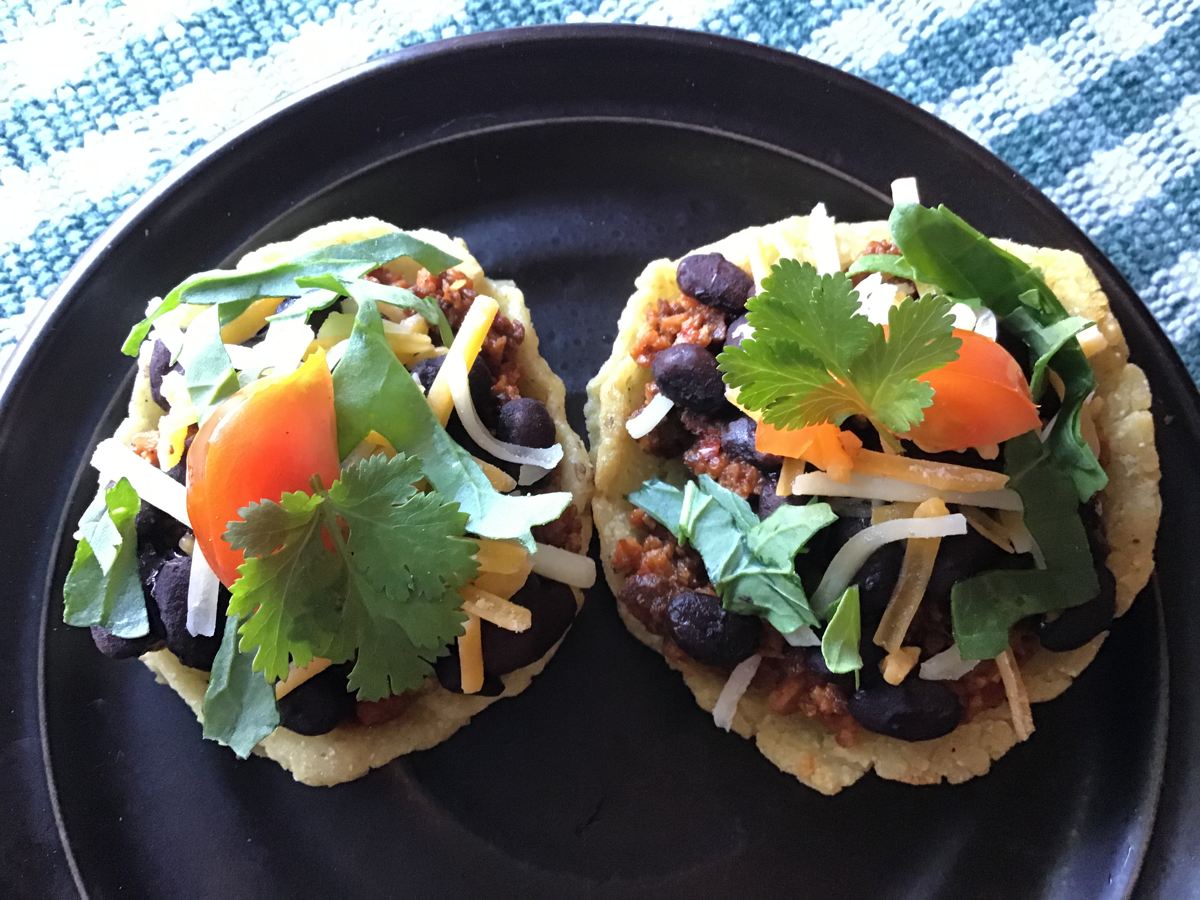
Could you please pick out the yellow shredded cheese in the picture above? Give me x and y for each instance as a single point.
(501, 557)
(373, 443)
(792, 469)
(505, 584)
(1018, 697)
(732, 394)
(470, 656)
(492, 608)
(250, 322)
(499, 479)
(409, 344)
(297, 676)
(885, 512)
(936, 475)
(897, 664)
(1092, 341)
(988, 527)
(466, 346)
(919, 557)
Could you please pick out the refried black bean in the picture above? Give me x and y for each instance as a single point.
(709, 633)
(688, 375)
(915, 710)
(526, 422)
(160, 365)
(737, 440)
(320, 704)
(739, 330)
(714, 281)
(124, 648)
(170, 595)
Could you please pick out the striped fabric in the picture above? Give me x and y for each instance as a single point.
(1095, 101)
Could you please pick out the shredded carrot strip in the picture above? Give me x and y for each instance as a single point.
(936, 475)
(919, 557)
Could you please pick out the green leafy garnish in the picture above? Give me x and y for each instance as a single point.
(208, 372)
(885, 263)
(839, 643)
(102, 587)
(372, 391)
(944, 250)
(985, 607)
(239, 706)
(323, 576)
(236, 289)
(362, 290)
(750, 563)
(815, 359)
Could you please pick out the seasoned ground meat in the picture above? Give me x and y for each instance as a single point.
(682, 319)
(793, 687)
(376, 712)
(657, 568)
(564, 532)
(705, 457)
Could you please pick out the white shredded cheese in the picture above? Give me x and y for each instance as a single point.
(1023, 542)
(985, 324)
(904, 190)
(735, 687)
(558, 564)
(803, 636)
(1092, 340)
(744, 332)
(528, 475)
(114, 461)
(946, 666)
(203, 588)
(964, 317)
(850, 558)
(647, 418)
(334, 354)
(460, 390)
(822, 241)
(880, 487)
(875, 298)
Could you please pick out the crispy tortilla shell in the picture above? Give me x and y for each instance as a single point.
(1130, 509)
(351, 750)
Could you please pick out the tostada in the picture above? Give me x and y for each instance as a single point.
(873, 488)
(345, 511)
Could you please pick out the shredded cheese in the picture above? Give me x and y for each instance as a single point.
(886, 512)
(876, 298)
(735, 687)
(576, 569)
(904, 190)
(732, 395)
(466, 346)
(297, 675)
(491, 608)
(115, 461)
(946, 666)
(501, 557)
(936, 475)
(1092, 341)
(919, 556)
(1018, 697)
(251, 322)
(647, 418)
(878, 487)
(202, 597)
(470, 656)
(497, 477)
(988, 527)
(373, 443)
(507, 584)
(897, 664)
(822, 241)
(803, 636)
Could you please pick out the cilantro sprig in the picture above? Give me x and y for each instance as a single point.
(814, 358)
(323, 576)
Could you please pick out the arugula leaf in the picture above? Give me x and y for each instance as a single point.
(840, 642)
(103, 587)
(750, 563)
(361, 290)
(885, 263)
(985, 607)
(944, 250)
(397, 610)
(229, 286)
(207, 369)
(239, 707)
(814, 359)
(373, 391)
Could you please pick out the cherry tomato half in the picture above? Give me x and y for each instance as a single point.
(980, 398)
(270, 437)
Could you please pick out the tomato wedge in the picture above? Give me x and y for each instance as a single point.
(981, 398)
(270, 437)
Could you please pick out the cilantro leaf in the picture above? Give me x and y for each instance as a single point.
(239, 706)
(373, 391)
(843, 634)
(323, 576)
(814, 359)
(985, 607)
(944, 250)
(750, 563)
(102, 587)
(360, 290)
(233, 286)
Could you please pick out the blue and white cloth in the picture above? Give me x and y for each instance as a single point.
(1097, 102)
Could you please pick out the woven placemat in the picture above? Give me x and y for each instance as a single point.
(1097, 103)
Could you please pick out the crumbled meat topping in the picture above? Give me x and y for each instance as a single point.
(376, 712)
(657, 569)
(565, 531)
(682, 320)
(705, 457)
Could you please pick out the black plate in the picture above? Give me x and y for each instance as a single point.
(568, 157)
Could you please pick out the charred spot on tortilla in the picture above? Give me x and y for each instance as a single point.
(840, 682)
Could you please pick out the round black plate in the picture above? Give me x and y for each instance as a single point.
(568, 157)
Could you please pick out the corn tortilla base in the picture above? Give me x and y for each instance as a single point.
(351, 750)
(1130, 508)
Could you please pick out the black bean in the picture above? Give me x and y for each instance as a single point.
(158, 530)
(480, 381)
(739, 330)
(708, 632)
(1076, 626)
(527, 422)
(961, 556)
(553, 607)
(124, 648)
(737, 440)
(449, 675)
(915, 710)
(160, 365)
(715, 281)
(814, 661)
(688, 375)
(767, 499)
(170, 595)
(320, 704)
